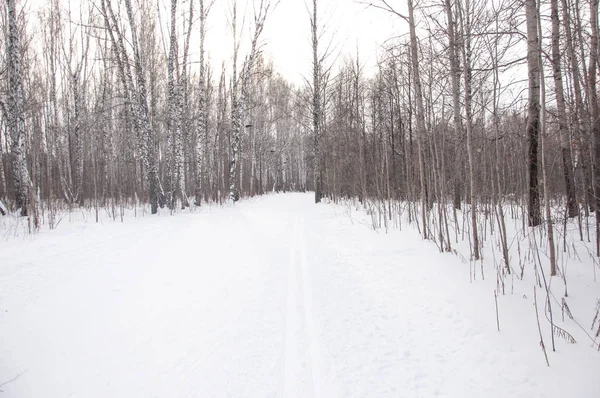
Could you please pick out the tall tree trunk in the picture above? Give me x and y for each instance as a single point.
(185, 125)
(54, 152)
(235, 117)
(465, 24)
(178, 142)
(577, 116)
(202, 130)
(455, 80)
(3, 192)
(421, 129)
(533, 117)
(316, 105)
(149, 152)
(172, 112)
(16, 113)
(106, 142)
(77, 143)
(572, 208)
(136, 97)
(550, 229)
(496, 122)
(594, 112)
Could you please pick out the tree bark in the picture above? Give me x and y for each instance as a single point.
(149, 152)
(16, 113)
(421, 129)
(567, 164)
(465, 25)
(550, 229)
(533, 117)
(316, 105)
(172, 113)
(594, 111)
(202, 130)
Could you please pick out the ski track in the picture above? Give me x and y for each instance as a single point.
(276, 297)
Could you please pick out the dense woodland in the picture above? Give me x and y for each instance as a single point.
(481, 104)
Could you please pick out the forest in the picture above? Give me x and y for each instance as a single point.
(182, 214)
(488, 106)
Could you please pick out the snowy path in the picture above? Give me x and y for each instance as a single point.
(275, 297)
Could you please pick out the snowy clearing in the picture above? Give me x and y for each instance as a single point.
(274, 297)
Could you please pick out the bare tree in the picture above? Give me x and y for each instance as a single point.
(533, 118)
(421, 127)
(572, 208)
(465, 25)
(202, 145)
(240, 94)
(15, 112)
(175, 172)
(549, 227)
(316, 105)
(595, 111)
(138, 101)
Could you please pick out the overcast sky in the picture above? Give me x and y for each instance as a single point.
(348, 24)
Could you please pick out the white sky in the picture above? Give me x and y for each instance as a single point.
(348, 26)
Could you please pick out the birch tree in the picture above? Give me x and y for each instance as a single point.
(533, 111)
(175, 172)
(202, 145)
(316, 105)
(421, 128)
(136, 96)
(240, 90)
(567, 164)
(549, 227)
(595, 111)
(15, 111)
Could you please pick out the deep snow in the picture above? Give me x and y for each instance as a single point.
(274, 297)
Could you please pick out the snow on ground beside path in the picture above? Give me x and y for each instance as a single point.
(274, 297)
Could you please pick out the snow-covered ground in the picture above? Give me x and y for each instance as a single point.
(274, 297)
